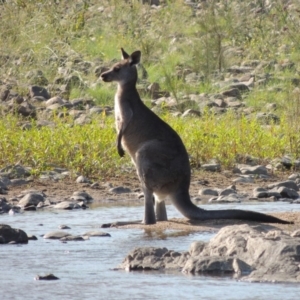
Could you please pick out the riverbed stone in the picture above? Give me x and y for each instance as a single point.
(120, 190)
(208, 191)
(285, 192)
(255, 170)
(96, 234)
(65, 205)
(251, 253)
(56, 235)
(82, 196)
(288, 184)
(46, 277)
(9, 234)
(72, 238)
(213, 167)
(31, 199)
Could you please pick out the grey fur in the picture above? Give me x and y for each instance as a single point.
(158, 152)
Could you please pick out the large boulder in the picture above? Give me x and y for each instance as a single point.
(12, 235)
(249, 253)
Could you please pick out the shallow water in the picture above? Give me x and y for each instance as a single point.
(86, 270)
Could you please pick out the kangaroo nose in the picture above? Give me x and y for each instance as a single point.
(103, 76)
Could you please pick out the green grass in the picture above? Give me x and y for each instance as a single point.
(90, 149)
(175, 40)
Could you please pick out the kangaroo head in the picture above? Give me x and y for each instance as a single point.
(124, 71)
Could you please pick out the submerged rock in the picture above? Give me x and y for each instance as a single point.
(9, 235)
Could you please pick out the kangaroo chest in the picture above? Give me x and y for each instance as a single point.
(123, 113)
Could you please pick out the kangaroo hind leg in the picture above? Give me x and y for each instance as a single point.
(160, 208)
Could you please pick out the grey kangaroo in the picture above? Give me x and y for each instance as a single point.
(158, 152)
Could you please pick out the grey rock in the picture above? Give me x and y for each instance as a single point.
(82, 196)
(96, 234)
(227, 191)
(234, 92)
(211, 264)
(267, 118)
(46, 277)
(240, 86)
(5, 207)
(82, 179)
(38, 91)
(151, 258)
(31, 199)
(207, 191)
(9, 234)
(56, 235)
(72, 238)
(286, 192)
(64, 227)
(244, 179)
(288, 183)
(19, 181)
(255, 170)
(211, 167)
(66, 205)
(119, 190)
(196, 248)
(231, 198)
(15, 171)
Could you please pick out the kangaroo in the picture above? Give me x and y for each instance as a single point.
(158, 153)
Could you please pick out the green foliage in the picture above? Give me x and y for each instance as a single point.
(177, 41)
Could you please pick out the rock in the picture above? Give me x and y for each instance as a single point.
(119, 190)
(46, 277)
(240, 86)
(56, 235)
(32, 238)
(196, 248)
(286, 192)
(255, 170)
(96, 234)
(191, 113)
(211, 264)
(31, 199)
(265, 193)
(151, 258)
(234, 92)
(208, 191)
(82, 196)
(38, 91)
(211, 167)
(82, 179)
(64, 227)
(15, 171)
(288, 183)
(244, 179)
(66, 205)
(227, 191)
(267, 118)
(250, 253)
(9, 235)
(72, 238)
(5, 207)
(231, 198)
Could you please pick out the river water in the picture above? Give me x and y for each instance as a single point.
(85, 268)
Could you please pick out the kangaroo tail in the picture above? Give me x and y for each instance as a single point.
(183, 203)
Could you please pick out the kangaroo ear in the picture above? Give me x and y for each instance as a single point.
(125, 55)
(135, 57)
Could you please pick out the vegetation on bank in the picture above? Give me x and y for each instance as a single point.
(175, 39)
(91, 148)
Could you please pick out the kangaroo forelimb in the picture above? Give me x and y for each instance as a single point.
(120, 149)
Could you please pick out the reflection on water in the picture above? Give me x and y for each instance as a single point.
(86, 270)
